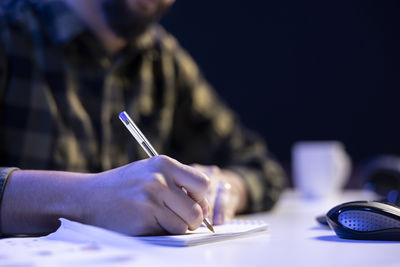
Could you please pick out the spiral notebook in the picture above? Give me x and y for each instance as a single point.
(234, 229)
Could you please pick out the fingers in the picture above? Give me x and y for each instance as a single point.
(219, 194)
(227, 193)
(174, 210)
(205, 207)
(193, 181)
(185, 207)
(209, 170)
(171, 222)
(181, 189)
(183, 175)
(224, 206)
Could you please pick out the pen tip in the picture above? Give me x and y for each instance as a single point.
(209, 225)
(211, 229)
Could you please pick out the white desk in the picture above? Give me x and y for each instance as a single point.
(294, 239)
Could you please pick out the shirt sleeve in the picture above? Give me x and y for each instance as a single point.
(3, 59)
(207, 132)
(4, 174)
(4, 171)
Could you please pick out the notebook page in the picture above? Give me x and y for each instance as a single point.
(234, 229)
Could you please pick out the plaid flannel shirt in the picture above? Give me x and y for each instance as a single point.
(60, 95)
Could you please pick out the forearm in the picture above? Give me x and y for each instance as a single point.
(34, 200)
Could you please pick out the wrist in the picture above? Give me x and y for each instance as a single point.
(239, 188)
(87, 197)
(74, 205)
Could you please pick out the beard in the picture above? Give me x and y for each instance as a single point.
(126, 22)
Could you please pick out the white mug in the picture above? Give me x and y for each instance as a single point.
(320, 168)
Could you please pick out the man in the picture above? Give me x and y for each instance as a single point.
(68, 67)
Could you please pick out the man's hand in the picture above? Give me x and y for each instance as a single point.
(227, 193)
(144, 197)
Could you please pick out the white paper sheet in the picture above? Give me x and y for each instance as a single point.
(76, 244)
(29, 251)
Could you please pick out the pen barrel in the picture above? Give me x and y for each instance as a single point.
(137, 134)
(147, 147)
(151, 152)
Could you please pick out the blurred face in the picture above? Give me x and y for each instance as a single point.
(129, 18)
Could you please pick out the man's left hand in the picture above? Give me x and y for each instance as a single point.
(227, 193)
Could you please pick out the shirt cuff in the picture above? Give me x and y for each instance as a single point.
(263, 188)
(4, 174)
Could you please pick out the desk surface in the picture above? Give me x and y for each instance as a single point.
(294, 239)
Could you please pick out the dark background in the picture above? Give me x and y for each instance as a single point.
(302, 70)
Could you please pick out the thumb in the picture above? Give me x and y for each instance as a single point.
(223, 207)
